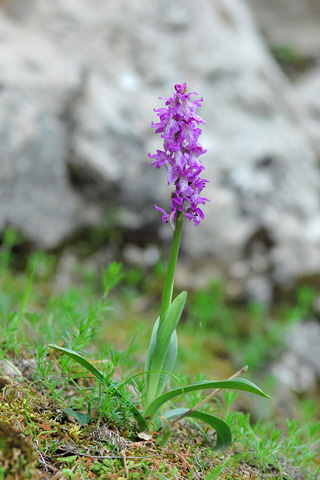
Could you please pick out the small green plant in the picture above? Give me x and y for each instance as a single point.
(292, 448)
(10, 240)
(180, 157)
(13, 319)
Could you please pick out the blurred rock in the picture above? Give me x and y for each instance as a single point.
(258, 289)
(293, 23)
(79, 84)
(306, 94)
(299, 367)
(141, 257)
(294, 260)
(36, 87)
(189, 276)
(18, 9)
(7, 368)
(239, 270)
(64, 270)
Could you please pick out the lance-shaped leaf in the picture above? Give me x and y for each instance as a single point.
(223, 431)
(82, 418)
(169, 360)
(238, 384)
(85, 363)
(163, 349)
(143, 426)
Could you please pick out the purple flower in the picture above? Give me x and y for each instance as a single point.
(179, 129)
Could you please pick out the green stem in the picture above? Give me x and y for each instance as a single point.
(168, 284)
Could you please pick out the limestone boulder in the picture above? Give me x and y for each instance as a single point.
(306, 96)
(37, 86)
(79, 83)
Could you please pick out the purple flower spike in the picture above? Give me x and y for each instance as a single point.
(179, 128)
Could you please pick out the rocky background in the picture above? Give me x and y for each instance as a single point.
(78, 84)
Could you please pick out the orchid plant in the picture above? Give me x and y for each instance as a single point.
(180, 131)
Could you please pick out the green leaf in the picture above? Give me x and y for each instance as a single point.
(224, 437)
(165, 430)
(139, 418)
(151, 350)
(238, 384)
(163, 349)
(82, 418)
(85, 363)
(168, 364)
(112, 276)
(168, 361)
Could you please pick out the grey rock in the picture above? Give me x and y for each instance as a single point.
(294, 260)
(299, 367)
(306, 95)
(293, 23)
(191, 276)
(7, 368)
(239, 270)
(304, 340)
(258, 289)
(80, 87)
(35, 194)
(295, 374)
(141, 257)
(18, 10)
(63, 275)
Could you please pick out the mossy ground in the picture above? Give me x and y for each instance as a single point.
(40, 440)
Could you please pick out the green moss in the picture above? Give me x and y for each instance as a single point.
(17, 457)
